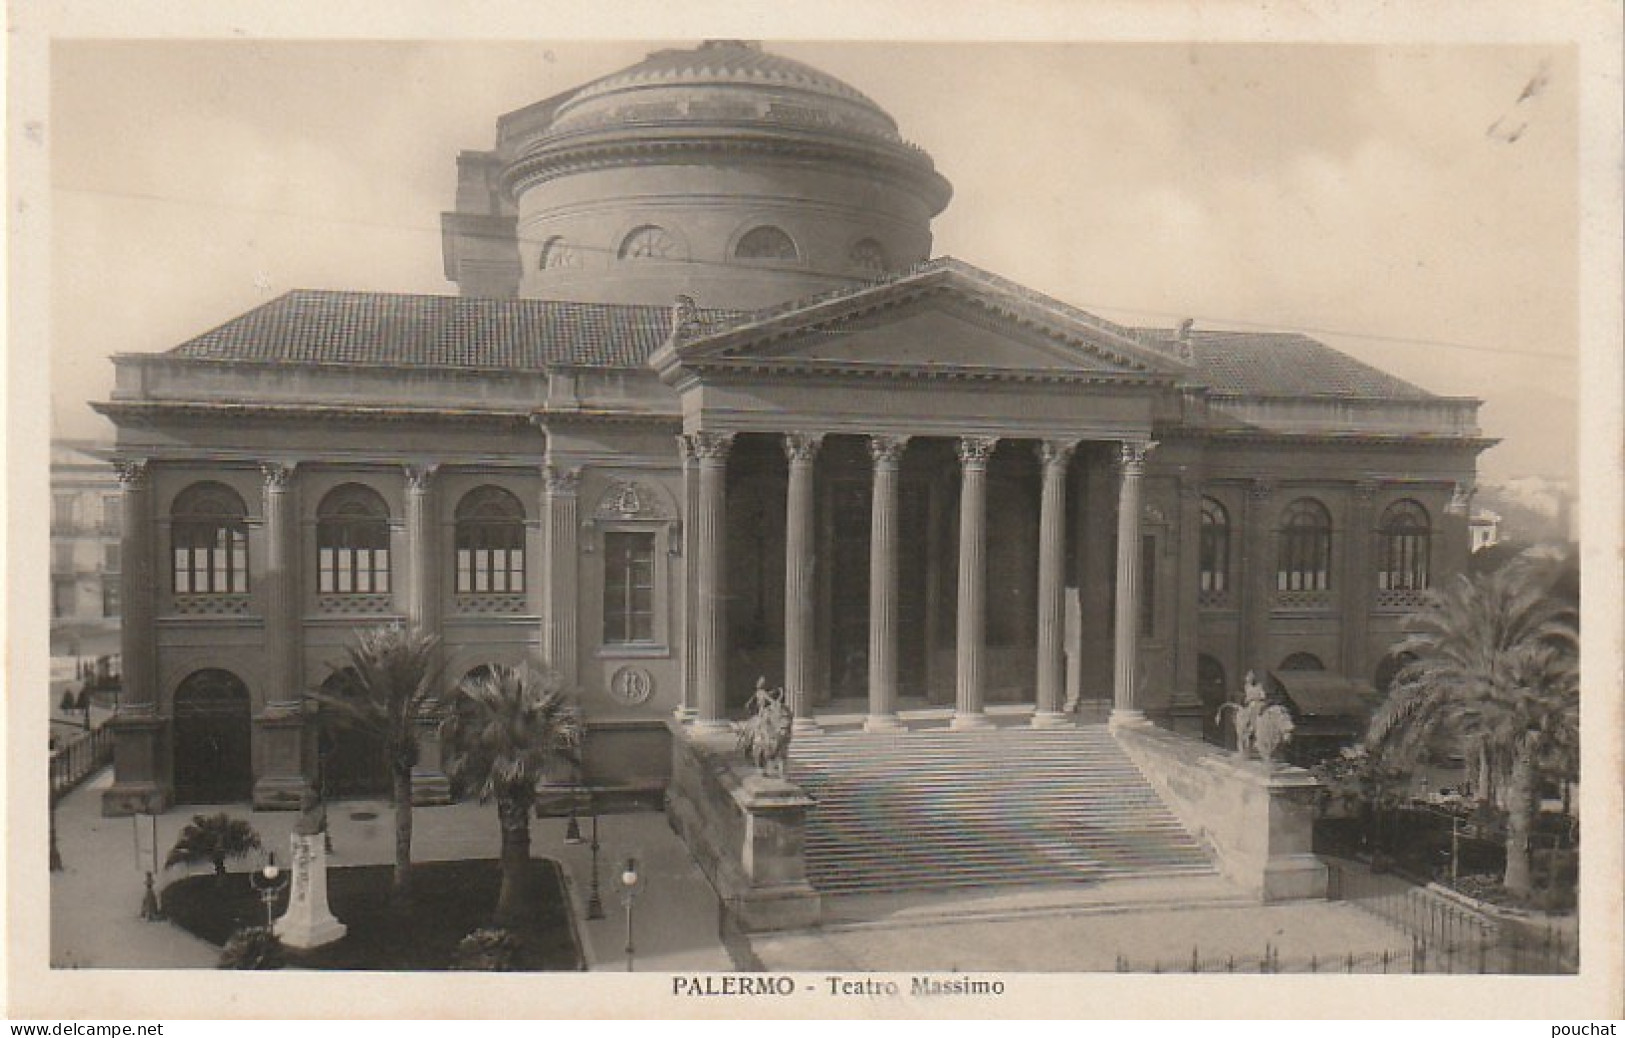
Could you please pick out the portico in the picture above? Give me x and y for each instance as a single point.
(892, 529)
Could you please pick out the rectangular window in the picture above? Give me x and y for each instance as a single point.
(112, 513)
(110, 597)
(62, 558)
(629, 589)
(62, 598)
(62, 511)
(112, 556)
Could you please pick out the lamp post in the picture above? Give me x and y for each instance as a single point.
(595, 900)
(268, 883)
(629, 883)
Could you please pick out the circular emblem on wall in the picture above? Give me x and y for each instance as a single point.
(632, 685)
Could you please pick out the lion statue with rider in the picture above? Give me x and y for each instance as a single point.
(765, 735)
(1261, 727)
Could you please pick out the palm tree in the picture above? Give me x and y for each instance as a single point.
(1496, 668)
(213, 839)
(503, 729)
(391, 679)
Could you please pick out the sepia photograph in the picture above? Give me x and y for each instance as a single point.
(815, 524)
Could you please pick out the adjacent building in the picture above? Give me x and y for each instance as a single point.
(706, 409)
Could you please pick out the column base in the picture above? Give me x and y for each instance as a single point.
(685, 714)
(281, 792)
(883, 723)
(1122, 716)
(1051, 719)
(964, 722)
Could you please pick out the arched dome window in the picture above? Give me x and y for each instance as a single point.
(766, 243)
(650, 241)
(1306, 547)
(352, 542)
(868, 255)
(1405, 533)
(208, 534)
(490, 542)
(557, 252)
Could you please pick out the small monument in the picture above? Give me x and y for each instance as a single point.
(765, 735)
(308, 923)
(1261, 728)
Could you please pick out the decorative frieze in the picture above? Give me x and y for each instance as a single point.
(1317, 600)
(355, 605)
(209, 605)
(490, 604)
(1400, 600)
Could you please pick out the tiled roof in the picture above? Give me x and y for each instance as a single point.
(381, 329)
(1284, 364)
(372, 328)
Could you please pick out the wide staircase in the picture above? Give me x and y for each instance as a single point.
(933, 809)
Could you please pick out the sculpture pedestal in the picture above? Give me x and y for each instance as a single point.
(308, 923)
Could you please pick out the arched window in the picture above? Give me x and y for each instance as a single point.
(766, 243)
(490, 542)
(557, 252)
(352, 542)
(868, 255)
(650, 241)
(1306, 547)
(1214, 551)
(1405, 534)
(208, 534)
(1302, 661)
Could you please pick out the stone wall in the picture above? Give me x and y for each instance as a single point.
(1257, 819)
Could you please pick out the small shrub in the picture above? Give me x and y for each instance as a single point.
(489, 948)
(254, 948)
(213, 839)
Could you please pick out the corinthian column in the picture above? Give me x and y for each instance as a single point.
(887, 452)
(802, 450)
(140, 775)
(1126, 708)
(711, 602)
(974, 452)
(1054, 456)
(563, 486)
(279, 728)
(691, 495)
(422, 603)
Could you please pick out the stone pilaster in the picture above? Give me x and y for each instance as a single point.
(279, 728)
(974, 453)
(141, 765)
(1258, 578)
(711, 627)
(801, 450)
(1126, 707)
(887, 453)
(429, 783)
(1187, 701)
(563, 486)
(686, 711)
(1053, 456)
(1358, 591)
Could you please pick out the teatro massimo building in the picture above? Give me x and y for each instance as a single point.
(704, 409)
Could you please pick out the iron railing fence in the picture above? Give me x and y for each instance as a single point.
(79, 758)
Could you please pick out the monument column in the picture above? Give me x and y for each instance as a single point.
(563, 486)
(711, 601)
(279, 781)
(1258, 576)
(1126, 651)
(887, 453)
(1357, 591)
(141, 766)
(974, 452)
(1054, 455)
(685, 711)
(802, 451)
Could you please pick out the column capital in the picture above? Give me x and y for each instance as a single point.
(685, 447)
(277, 474)
(1365, 491)
(133, 474)
(420, 477)
(975, 450)
(1131, 455)
(1261, 490)
(1055, 452)
(562, 480)
(887, 450)
(711, 446)
(800, 446)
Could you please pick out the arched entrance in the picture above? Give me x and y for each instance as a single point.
(213, 739)
(351, 758)
(1210, 686)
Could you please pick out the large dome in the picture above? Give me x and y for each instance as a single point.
(721, 171)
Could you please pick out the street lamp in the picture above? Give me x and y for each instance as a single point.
(629, 883)
(595, 900)
(268, 883)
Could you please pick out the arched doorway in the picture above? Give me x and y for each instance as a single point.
(213, 739)
(350, 758)
(1210, 686)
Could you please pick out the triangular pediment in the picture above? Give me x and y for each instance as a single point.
(945, 319)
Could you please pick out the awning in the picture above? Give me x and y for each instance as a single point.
(1323, 693)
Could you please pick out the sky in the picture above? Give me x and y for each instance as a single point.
(1416, 207)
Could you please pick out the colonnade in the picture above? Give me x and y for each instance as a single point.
(705, 469)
